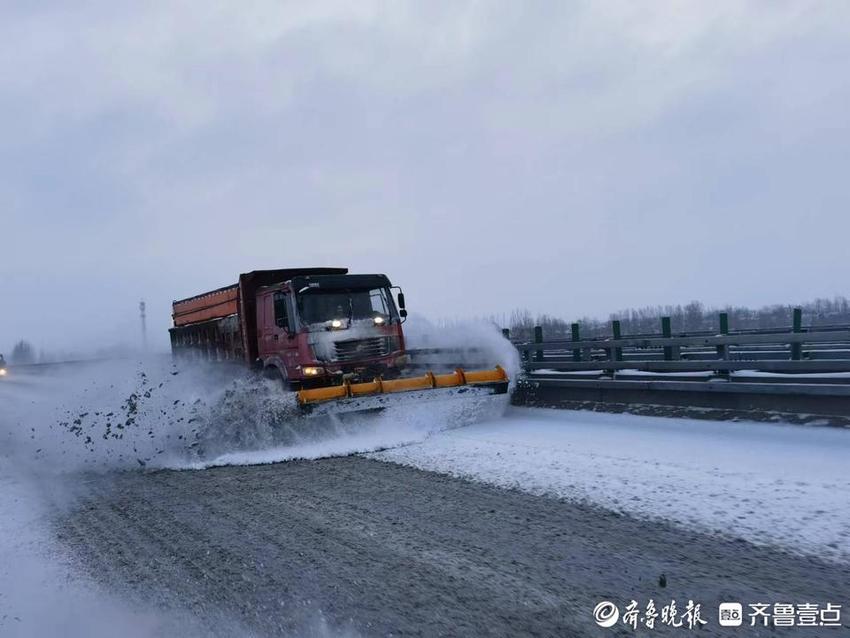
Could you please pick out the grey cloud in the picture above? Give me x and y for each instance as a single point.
(572, 159)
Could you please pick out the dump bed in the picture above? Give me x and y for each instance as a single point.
(214, 304)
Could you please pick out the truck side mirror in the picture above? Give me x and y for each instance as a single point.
(402, 313)
(401, 301)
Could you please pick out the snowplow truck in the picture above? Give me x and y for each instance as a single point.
(327, 334)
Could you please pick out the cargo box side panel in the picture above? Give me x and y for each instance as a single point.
(214, 340)
(215, 304)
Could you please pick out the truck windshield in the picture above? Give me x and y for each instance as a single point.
(320, 306)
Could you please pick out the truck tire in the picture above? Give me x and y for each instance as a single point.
(274, 373)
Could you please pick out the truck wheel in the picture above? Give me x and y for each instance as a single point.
(273, 373)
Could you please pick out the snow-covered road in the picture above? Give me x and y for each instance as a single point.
(247, 538)
(770, 484)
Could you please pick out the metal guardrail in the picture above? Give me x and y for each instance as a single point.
(795, 371)
(785, 353)
(789, 367)
(744, 387)
(794, 350)
(716, 340)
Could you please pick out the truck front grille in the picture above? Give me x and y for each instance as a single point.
(357, 349)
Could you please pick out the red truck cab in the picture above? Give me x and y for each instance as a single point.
(310, 327)
(323, 329)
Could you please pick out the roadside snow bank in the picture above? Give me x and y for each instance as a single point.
(770, 484)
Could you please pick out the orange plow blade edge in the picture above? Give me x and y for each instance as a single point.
(495, 380)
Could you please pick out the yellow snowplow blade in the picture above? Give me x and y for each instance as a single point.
(427, 381)
(318, 395)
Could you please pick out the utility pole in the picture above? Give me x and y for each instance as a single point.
(144, 328)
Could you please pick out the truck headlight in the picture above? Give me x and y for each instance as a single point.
(312, 371)
(379, 321)
(336, 324)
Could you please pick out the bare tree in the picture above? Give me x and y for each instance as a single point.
(23, 353)
(693, 318)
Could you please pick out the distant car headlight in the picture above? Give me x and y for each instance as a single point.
(2, 372)
(312, 371)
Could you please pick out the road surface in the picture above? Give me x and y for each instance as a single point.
(376, 549)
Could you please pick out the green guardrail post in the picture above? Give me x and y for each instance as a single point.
(797, 326)
(666, 332)
(576, 337)
(615, 328)
(538, 338)
(723, 350)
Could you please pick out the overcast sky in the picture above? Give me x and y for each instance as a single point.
(573, 158)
